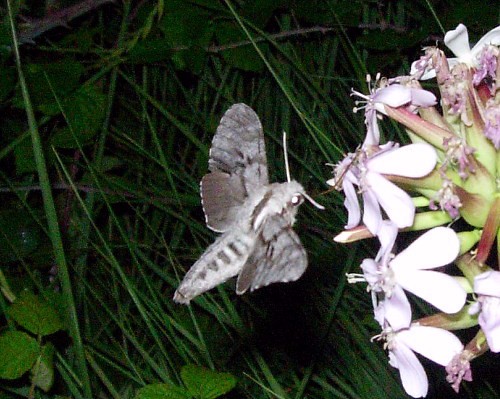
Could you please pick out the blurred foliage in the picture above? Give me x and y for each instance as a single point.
(126, 96)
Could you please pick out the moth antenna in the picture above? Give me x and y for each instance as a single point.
(287, 167)
(309, 198)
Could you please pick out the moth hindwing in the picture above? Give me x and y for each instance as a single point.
(255, 217)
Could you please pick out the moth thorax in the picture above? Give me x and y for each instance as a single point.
(283, 199)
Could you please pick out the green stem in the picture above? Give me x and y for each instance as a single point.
(52, 221)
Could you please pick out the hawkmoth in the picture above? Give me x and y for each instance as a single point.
(255, 217)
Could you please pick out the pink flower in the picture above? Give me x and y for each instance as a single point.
(366, 172)
(394, 95)
(438, 345)
(409, 271)
(457, 41)
(487, 287)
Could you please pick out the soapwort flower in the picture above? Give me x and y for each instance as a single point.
(436, 344)
(453, 173)
(487, 288)
(366, 171)
(384, 93)
(457, 41)
(388, 277)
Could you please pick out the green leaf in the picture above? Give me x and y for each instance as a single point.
(84, 112)
(35, 315)
(162, 391)
(42, 374)
(44, 80)
(19, 352)
(184, 24)
(203, 383)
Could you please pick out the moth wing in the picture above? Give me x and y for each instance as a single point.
(222, 260)
(222, 195)
(278, 256)
(238, 147)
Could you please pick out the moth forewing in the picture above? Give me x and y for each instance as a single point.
(238, 147)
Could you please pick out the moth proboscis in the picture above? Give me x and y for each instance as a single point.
(254, 216)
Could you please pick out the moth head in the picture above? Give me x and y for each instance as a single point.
(298, 197)
(294, 195)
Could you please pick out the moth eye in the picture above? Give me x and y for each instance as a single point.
(297, 199)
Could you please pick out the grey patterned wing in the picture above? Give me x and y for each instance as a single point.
(278, 256)
(237, 164)
(222, 196)
(222, 260)
(238, 147)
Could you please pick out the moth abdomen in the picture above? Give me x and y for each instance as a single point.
(222, 260)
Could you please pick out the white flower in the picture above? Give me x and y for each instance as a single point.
(457, 41)
(487, 287)
(438, 345)
(366, 172)
(394, 95)
(409, 271)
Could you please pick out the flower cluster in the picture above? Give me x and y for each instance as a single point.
(452, 169)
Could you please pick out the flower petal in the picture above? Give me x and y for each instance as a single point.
(411, 370)
(352, 204)
(434, 343)
(372, 216)
(457, 40)
(394, 95)
(487, 283)
(436, 247)
(414, 160)
(422, 98)
(397, 309)
(396, 202)
(489, 320)
(439, 289)
(492, 37)
(372, 129)
(387, 233)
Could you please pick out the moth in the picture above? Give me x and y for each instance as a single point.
(254, 216)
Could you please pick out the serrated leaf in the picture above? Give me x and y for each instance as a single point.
(19, 353)
(42, 374)
(203, 383)
(162, 391)
(35, 315)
